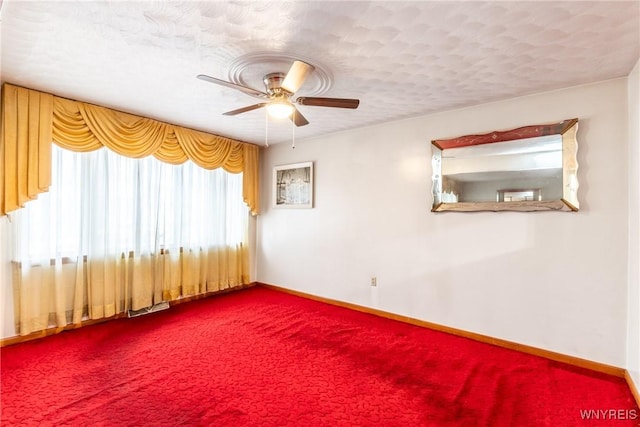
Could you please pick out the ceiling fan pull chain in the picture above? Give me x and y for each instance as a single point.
(266, 128)
(293, 130)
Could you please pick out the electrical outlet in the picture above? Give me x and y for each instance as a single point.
(374, 281)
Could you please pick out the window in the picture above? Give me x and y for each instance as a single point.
(103, 203)
(116, 234)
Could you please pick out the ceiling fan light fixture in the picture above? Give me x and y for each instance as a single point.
(279, 109)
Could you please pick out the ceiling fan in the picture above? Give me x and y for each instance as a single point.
(280, 88)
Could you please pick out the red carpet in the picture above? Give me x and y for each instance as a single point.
(258, 357)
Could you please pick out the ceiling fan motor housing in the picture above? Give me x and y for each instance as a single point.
(273, 83)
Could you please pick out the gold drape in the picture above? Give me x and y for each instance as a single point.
(32, 119)
(25, 146)
(68, 291)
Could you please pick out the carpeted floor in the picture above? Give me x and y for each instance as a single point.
(259, 357)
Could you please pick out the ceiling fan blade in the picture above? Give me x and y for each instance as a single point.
(329, 102)
(244, 109)
(298, 118)
(296, 76)
(245, 89)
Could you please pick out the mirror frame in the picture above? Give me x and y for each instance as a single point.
(569, 201)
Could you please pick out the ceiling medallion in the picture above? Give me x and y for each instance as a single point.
(250, 69)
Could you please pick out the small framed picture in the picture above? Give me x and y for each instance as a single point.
(293, 185)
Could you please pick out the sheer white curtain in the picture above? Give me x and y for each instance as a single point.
(115, 233)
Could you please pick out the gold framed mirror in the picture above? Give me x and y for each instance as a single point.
(531, 168)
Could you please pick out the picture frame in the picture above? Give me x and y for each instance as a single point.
(293, 186)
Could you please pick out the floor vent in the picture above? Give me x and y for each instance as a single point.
(148, 310)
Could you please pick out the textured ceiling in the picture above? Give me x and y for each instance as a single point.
(401, 59)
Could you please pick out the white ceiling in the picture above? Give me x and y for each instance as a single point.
(400, 58)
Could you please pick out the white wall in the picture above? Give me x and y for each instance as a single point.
(633, 326)
(553, 280)
(7, 327)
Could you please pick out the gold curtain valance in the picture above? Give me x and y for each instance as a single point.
(31, 120)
